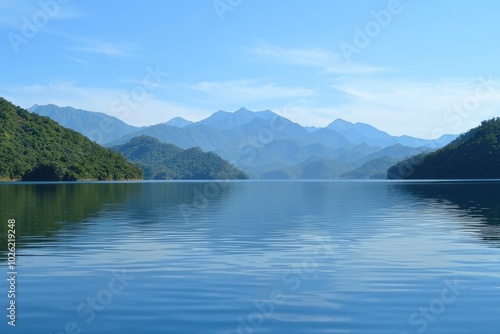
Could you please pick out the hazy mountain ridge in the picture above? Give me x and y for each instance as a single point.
(263, 142)
(362, 133)
(178, 122)
(224, 120)
(96, 126)
(372, 169)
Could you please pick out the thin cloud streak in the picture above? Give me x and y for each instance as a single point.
(104, 48)
(93, 45)
(14, 13)
(328, 61)
(249, 90)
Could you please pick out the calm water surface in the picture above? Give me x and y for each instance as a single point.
(254, 257)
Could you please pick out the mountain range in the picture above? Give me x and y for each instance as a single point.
(263, 144)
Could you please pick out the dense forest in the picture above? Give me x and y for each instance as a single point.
(161, 161)
(35, 148)
(473, 155)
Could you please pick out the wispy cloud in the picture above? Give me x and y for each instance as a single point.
(84, 44)
(249, 90)
(82, 62)
(324, 59)
(17, 14)
(105, 48)
(13, 14)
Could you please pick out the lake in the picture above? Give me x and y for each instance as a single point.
(253, 257)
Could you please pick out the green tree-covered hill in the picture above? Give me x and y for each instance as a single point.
(35, 148)
(473, 155)
(161, 161)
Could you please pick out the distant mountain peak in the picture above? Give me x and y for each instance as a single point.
(267, 114)
(33, 107)
(221, 112)
(178, 122)
(340, 123)
(224, 120)
(243, 109)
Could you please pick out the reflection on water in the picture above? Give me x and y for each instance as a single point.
(255, 257)
(42, 209)
(477, 202)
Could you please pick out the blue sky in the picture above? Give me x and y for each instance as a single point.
(416, 67)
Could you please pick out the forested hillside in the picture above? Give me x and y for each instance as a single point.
(473, 155)
(161, 161)
(35, 148)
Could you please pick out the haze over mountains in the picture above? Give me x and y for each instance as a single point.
(263, 144)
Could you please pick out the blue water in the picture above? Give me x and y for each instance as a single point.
(254, 257)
